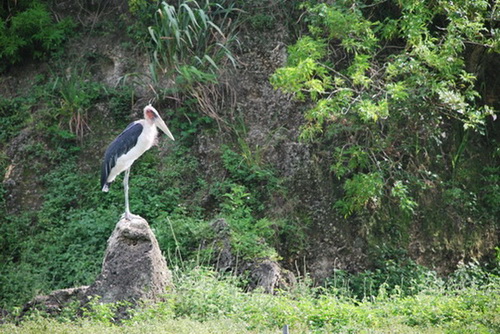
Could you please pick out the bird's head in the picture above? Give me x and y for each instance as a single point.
(152, 115)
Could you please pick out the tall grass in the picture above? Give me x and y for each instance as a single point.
(190, 47)
(72, 96)
(187, 40)
(188, 44)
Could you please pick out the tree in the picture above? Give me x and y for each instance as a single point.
(388, 85)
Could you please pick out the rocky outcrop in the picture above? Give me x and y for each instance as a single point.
(133, 269)
(269, 275)
(133, 266)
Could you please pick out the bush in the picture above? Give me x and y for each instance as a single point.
(394, 273)
(31, 32)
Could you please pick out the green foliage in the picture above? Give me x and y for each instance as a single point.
(239, 197)
(265, 15)
(103, 313)
(394, 273)
(250, 237)
(262, 22)
(15, 114)
(28, 30)
(473, 275)
(491, 188)
(305, 73)
(121, 101)
(205, 296)
(381, 105)
(72, 96)
(360, 191)
(180, 227)
(137, 6)
(188, 122)
(242, 196)
(246, 169)
(400, 192)
(207, 301)
(180, 236)
(189, 44)
(61, 244)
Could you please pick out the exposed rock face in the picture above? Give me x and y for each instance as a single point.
(133, 266)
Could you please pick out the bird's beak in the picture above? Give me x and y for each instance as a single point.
(163, 127)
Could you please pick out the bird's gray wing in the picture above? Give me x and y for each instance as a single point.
(121, 145)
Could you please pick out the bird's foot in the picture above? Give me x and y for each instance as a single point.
(130, 216)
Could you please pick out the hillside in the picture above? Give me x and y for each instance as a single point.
(334, 139)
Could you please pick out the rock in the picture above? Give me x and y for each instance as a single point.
(133, 266)
(269, 275)
(263, 273)
(133, 269)
(57, 300)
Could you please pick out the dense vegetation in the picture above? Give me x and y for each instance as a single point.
(397, 113)
(27, 30)
(392, 99)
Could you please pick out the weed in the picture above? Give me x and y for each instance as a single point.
(75, 95)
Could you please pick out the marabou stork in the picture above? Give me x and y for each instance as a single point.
(136, 139)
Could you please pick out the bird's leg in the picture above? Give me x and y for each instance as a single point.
(128, 215)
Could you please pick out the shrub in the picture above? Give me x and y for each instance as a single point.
(393, 274)
(31, 33)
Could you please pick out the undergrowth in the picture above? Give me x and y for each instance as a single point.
(204, 298)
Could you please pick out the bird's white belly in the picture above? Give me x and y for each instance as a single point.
(144, 143)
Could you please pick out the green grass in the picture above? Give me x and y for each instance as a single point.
(207, 302)
(177, 326)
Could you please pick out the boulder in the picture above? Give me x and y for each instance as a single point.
(268, 275)
(133, 267)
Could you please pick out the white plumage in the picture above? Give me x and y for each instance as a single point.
(136, 139)
(145, 141)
